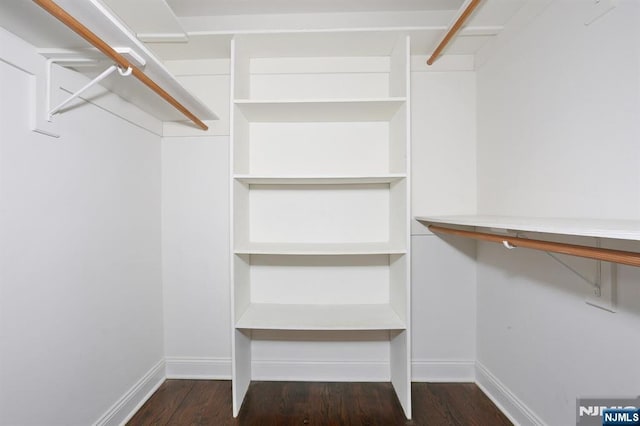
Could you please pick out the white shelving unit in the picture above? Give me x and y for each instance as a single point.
(320, 192)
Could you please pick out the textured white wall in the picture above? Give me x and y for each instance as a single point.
(80, 291)
(558, 131)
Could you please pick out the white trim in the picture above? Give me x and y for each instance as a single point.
(195, 368)
(134, 398)
(512, 406)
(441, 371)
(320, 370)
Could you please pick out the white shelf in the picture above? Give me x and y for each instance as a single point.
(319, 110)
(53, 39)
(320, 317)
(317, 180)
(319, 249)
(603, 228)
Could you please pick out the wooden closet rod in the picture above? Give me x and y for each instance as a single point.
(608, 255)
(453, 30)
(102, 46)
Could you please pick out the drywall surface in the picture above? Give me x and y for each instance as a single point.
(443, 137)
(195, 238)
(443, 171)
(558, 131)
(80, 291)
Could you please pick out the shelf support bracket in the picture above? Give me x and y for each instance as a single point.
(77, 93)
(603, 284)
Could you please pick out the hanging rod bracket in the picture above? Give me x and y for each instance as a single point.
(77, 93)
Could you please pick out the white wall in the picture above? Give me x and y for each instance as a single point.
(195, 231)
(443, 273)
(558, 132)
(80, 293)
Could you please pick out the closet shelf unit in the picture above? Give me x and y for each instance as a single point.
(320, 194)
(598, 228)
(601, 228)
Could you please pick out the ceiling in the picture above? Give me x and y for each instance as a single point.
(243, 7)
(196, 29)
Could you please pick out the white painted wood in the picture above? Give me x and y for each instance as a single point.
(319, 86)
(320, 110)
(318, 44)
(127, 406)
(400, 294)
(317, 148)
(319, 249)
(400, 366)
(322, 65)
(604, 228)
(103, 22)
(320, 317)
(317, 180)
(327, 280)
(319, 213)
(398, 134)
(321, 206)
(241, 368)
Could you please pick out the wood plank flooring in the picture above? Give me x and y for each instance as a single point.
(208, 402)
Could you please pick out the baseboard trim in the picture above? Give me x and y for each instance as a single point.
(134, 398)
(198, 368)
(512, 407)
(440, 371)
(320, 370)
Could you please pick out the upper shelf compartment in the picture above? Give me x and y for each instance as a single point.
(317, 66)
(314, 110)
(603, 228)
(54, 40)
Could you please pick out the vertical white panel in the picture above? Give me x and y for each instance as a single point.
(400, 365)
(241, 369)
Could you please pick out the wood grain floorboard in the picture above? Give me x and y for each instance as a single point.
(189, 402)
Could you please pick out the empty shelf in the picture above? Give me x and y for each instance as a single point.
(603, 228)
(320, 110)
(319, 248)
(317, 180)
(320, 317)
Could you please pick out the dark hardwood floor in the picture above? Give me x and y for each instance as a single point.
(208, 402)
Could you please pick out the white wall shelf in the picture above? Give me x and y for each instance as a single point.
(55, 40)
(319, 249)
(602, 228)
(317, 180)
(320, 196)
(265, 316)
(314, 110)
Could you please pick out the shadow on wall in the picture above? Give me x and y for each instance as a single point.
(523, 266)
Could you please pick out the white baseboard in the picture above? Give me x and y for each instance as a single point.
(440, 371)
(512, 407)
(321, 371)
(135, 397)
(199, 368)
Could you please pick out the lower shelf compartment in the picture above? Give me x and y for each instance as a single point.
(266, 316)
